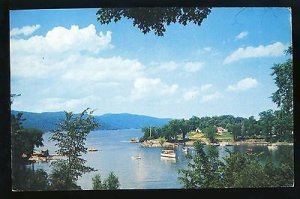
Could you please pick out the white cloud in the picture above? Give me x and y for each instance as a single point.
(191, 94)
(206, 87)
(193, 66)
(61, 40)
(26, 30)
(145, 87)
(210, 97)
(58, 104)
(272, 50)
(194, 93)
(103, 69)
(173, 66)
(58, 50)
(242, 35)
(244, 84)
(169, 66)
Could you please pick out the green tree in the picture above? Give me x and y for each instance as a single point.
(252, 127)
(110, 183)
(194, 123)
(23, 142)
(172, 129)
(236, 170)
(266, 121)
(184, 128)
(150, 133)
(177, 127)
(70, 137)
(283, 126)
(36, 180)
(283, 96)
(210, 133)
(161, 141)
(236, 130)
(97, 183)
(243, 170)
(154, 19)
(203, 170)
(283, 76)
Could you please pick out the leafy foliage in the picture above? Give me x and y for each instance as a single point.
(32, 180)
(111, 183)
(23, 142)
(237, 170)
(70, 137)
(283, 97)
(154, 19)
(210, 133)
(97, 183)
(203, 172)
(283, 76)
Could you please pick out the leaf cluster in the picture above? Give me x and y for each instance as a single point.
(236, 170)
(110, 183)
(70, 137)
(154, 19)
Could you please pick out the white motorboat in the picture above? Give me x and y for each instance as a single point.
(168, 153)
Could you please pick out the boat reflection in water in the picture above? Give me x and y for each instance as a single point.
(168, 159)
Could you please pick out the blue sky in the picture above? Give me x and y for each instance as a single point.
(65, 60)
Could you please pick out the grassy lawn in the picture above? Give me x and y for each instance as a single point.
(197, 136)
(226, 136)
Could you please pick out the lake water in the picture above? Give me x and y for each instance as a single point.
(115, 154)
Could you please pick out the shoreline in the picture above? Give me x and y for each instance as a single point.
(155, 143)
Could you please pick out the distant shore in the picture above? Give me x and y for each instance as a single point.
(156, 143)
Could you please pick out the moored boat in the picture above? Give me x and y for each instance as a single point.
(249, 151)
(137, 157)
(168, 153)
(134, 140)
(272, 147)
(185, 149)
(215, 144)
(92, 149)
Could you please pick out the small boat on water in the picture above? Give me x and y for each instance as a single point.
(225, 144)
(249, 151)
(272, 147)
(92, 149)
(185, 149)
(137, 157)
(134, 140)
(168, 153)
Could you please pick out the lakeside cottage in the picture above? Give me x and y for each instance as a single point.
(221, 130)
(198, 130)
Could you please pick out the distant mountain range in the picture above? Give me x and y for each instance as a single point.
(47, 121)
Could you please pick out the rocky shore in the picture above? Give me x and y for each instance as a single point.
(156, 143)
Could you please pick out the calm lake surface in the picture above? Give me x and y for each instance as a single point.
(115, 154)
